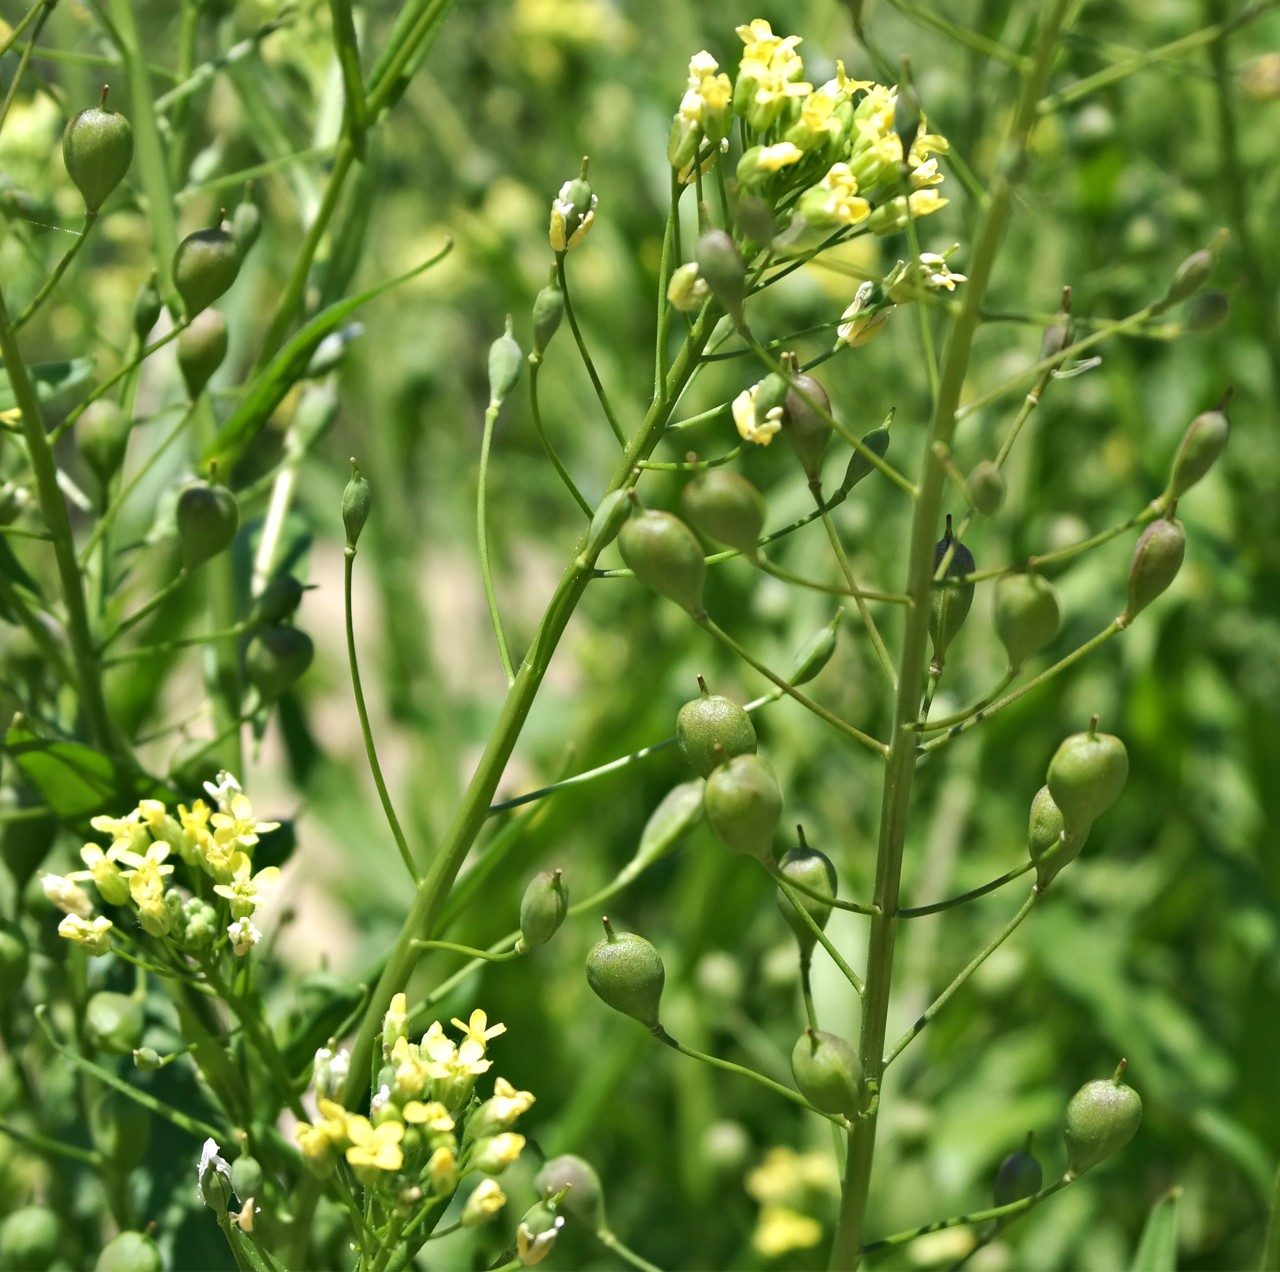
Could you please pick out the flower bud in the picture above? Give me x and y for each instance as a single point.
(986, 488)
(276, 659)
(246, 225)
(548, 310)
(1086, 776)
(743, 804)
(626, 973)
(542, 909)
(505, 361)
(147, 1059)
(721, 266)
(102, 435)
(204, 267)
(246, 1177)
(1201, 444)
(1157, 558)
(129, 1252)
(711, 730)
(812, 870)
(678, 812)
(1191, 275)
(207, 518)
(202, 346)
(806, 424)
(951, 601)
(31, 1237)
(278, 601)
(114, 1022)
(1048, 845)
(146, 308)
(726, 507)
(97, 147)
(486, 1199)
(572, 212)
(687, 289)
(1018, 1177)
(1027, 616)
(817, 652)
(665, 555)
(1060, 333)
(537, 1231)
(877, 442)
(827, 1072)
(1102, 1118)
(357, 499)
(214, 1177)
(584, 1200)
(608, 518)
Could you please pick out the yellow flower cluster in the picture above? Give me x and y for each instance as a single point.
(787, 1185)
(214, 839)
(421, 1119)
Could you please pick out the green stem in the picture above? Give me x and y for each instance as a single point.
(535, 364)
(805, 891)
(819, 935)
(959, 717)
(584, 353)
(58, 270)
(902, 758)
(470, 951)
(482, 537)
(149, 607)
(56, 1148)
(610, 1242)
(936, 907)
(891, 598)
(1271, 1241)
(25, 21)
(42, 17)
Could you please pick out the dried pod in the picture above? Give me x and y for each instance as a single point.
(97, 147)
(726, 507)
(207, 518)
(951, 601)
(827, 1072)
(276, 659)
(204, 267)
(711, 730)
(1027, 616)
(1086, 775)
(743, 803)
(986, 487)
(665, 555)
(626, 973)
(1157, 558)
(202, 346)
(1102, 1118)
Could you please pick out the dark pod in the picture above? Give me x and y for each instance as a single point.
(951, 601)
(711, 730)
(1102, 1118)
(204, 267)
(1027, 616)
(727, 508)
(1018, 1177)
(877, 442)
(278, 601)
(97, 147)
(202, 346)
(585, 1199)
(743, 804)
(1086, 775)
(806, 413)
(626, 973)
(827, 1073)
(276, 659)
(665, 555)
(813, 871)
(207, 517)
(1157, 558)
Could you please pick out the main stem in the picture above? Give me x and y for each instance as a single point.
(900, 768)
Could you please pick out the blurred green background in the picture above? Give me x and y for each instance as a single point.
(1160, 944)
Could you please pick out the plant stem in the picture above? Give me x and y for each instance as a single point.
(936, 907)
(610, 1242)
(482, 537)
(819, 935)
(584, 352)
(548, 449)
(900, 770)
(58, 270)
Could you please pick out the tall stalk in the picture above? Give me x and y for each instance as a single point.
(900, 768)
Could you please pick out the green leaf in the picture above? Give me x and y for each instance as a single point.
(1158, 1249)
(268, 390)
(52, 380)
(12, 570)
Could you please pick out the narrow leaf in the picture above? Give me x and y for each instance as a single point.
(1158, 1249)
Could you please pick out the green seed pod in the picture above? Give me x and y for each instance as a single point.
(276, 659)
(726, 507)
(743, 804)
(548, 310)
(120, 1130)
(950, 603)
(1191, 275)
(817, 651)
(129, 1252)
(102, 436)
(986, 488)
(542, 908)
(15, 956)
(877, 442)
(246, 1177)
(208, 517)
(147, 1059)
(357, 500)
(805, 414)
(146, 309)
(505, 361)
(204, 267)
(97, 147)
(1018, 1177)
(114, 1022)
(1102, 1118)
(246, 225)
(278, 601)
(711, 730)
(665, 555)
(1207, 310)
(585, 1199)
(202, 346)
(1047, 845)
(1027, 616)
(626, 973)
(721, 265)
(610, 514)
(1157, 558)
(827, 1072)
(1086, 775)
(678, 812)
(30, 1239)
(813, 870)
(1060, 333)
(1201, 444)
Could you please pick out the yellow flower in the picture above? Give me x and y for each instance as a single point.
(687, 289)
(485, 1202)
(317, 1139)
(494, 1155)
(835, 199)
(377, 1147)
(746, 418)
(127, 833)
(507, 1103)
(433, 1115)
(92, 935)
(442, 1171)
(106, 875)
(67, 895)
(244, 888)
(761, 43)
(478, 1029)
(412, 1070)
(237, 824)
(393, 1022)
(780, 1230)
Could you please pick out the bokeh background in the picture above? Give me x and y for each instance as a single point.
(1160, 944)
